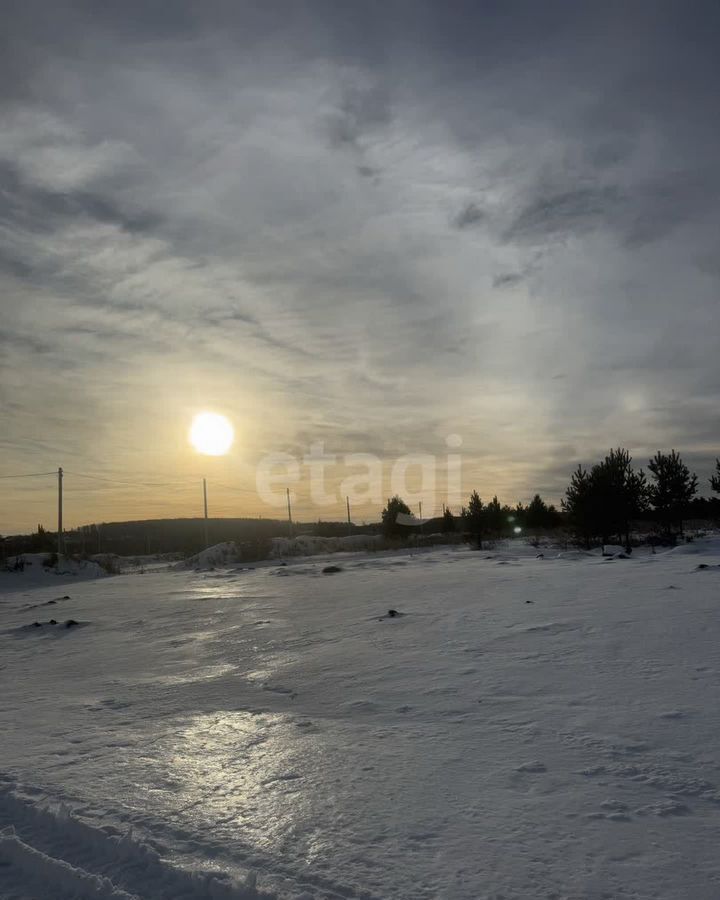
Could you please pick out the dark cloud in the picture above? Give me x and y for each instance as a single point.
(27, 205)
(360, 110)
(508, 279)
(470, 216)
(562, 213)
(368, 171)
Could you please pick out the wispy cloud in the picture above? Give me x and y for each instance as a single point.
(376, 228)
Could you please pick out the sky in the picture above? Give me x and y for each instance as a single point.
(371, 225)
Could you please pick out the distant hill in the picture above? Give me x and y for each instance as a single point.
(186, 536)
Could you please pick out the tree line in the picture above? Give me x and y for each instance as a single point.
(600, 504)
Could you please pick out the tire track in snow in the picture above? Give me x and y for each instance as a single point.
(42, 843)
(44, 846)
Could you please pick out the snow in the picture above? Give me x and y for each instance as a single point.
(313, 545)
(228, 553)
(35, 574)
(217, 556)
(527, 728)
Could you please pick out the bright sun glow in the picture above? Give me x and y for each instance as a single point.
(211, 434)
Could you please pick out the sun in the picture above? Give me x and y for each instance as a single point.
(211, 434)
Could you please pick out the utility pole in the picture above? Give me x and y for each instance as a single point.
(60, 512)
(290, 527)
(421, 521)
(207, 543)
(347, 500)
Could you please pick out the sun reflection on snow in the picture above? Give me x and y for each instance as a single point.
(238, 771)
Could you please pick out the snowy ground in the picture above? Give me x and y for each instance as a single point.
(529, 728)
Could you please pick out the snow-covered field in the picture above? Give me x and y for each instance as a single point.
(528, 728)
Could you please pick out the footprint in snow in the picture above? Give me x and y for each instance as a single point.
(614, 806)
(277, 779)
(279, 689)
(664, 809)
(609, 817)
(307, 726)
(534, 767)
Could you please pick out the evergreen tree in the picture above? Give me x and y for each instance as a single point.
(554, 517)
(621, 495)
(715, 479)
(537, 513)
(389, 516)
(579, 505)
(603, 502)
(448, 522)
(673, 488)
(495, 519)
(474, 519)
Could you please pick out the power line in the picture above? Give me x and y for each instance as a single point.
(236, 490)
(129, 483)
(29, 475)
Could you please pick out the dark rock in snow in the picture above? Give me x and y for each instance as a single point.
(71, 623)
(330, 570)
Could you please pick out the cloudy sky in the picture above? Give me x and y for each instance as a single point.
(372, 224)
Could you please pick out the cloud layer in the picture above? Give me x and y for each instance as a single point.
(372, 226)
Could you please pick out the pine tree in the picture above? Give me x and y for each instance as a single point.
(620, 495)
(536, 515)
(579, 505)
(715, 479)
(554, 518)
(389, 516)
(448, 525)
(495, 520)
(673, 488)
(474, 519)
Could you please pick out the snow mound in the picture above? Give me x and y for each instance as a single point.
(697, 547)
(574, 554)
(313, 545)
(217, 556)
(85, 568)
(34, 571)
(612, 549)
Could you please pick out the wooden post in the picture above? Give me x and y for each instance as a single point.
(60, 542)
(207, 543)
